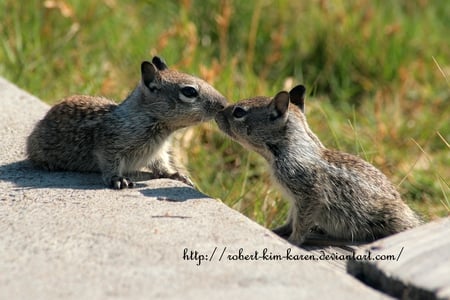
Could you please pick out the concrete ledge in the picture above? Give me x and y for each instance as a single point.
(421, 268)
(64, 236)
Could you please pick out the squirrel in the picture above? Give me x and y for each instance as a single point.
(91, 134)
(335, 192)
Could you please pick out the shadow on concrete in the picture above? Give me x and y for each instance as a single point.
(174, 194)
(24, 174)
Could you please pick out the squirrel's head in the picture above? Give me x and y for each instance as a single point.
(262, 123)
(175, 98)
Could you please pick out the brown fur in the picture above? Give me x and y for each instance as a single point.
(337, 192)
(86, 133)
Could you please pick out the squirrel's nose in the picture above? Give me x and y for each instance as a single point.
(223, 107)
(223, 102)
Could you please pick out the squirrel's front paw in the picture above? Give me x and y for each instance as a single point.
(182, 178)
(119, 182)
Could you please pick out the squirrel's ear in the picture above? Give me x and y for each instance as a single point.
(279, 105)
(159, 63)
(297, 95)
(148, 71)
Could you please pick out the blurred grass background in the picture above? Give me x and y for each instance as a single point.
(376, 71)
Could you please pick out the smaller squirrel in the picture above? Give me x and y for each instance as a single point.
(335, 192)
(91, 134)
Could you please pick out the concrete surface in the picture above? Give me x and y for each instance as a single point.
(420, 267)
(64, 236)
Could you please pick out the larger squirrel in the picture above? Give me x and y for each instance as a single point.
(86, 133)
(336, 192)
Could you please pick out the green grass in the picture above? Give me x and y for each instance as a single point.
(376, 71)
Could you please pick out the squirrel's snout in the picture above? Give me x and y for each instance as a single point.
(222, 103)
(222, 107)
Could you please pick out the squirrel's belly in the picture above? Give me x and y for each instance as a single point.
(135, 160)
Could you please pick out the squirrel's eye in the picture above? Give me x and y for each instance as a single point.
(239, 112)
(188, 93)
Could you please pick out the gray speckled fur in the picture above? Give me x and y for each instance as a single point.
(340, 193)
(86, 133)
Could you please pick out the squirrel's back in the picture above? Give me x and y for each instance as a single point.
(362, 196)
(64, 138)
